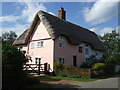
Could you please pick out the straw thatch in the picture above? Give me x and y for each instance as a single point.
(57, 27)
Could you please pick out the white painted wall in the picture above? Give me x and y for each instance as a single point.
(91, 51)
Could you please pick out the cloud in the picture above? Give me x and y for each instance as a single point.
(51, 13)
(31, 8)
(118, 29)
(9, 18)
(18, 28)
(105, 30)
(100, 12)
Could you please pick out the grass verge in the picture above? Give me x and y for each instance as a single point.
(69, 78)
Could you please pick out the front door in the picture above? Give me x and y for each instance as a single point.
(75, 61)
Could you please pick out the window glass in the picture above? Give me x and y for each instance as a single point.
(61, 45)
(80, 49)
(37, 60)
(40, 44)
(32, 45)
(61, 38)
(61, 60)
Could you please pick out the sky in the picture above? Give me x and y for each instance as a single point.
(99, 16)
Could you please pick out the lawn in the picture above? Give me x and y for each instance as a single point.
(69, 78)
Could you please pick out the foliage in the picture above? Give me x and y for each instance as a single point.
(84, 65)
(12, 65)
(70, 71)
(102, 69)
(109, 68)
(9, 37)
(98, 66)
(112, 44)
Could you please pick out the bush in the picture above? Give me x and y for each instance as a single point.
(103, 69)
(109, 68)
(12, 65)
(65, 70)
(98, 66)
(84, 65)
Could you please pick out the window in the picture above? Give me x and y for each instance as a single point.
(61, 45)
(80, 49)
(32, 45)
(40, 44)
(87, 60)
(86, 51)
(37, 60)
(61, 60)
(61, 38)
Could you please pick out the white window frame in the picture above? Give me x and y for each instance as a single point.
(32, 45)
(61, 45)
(40, 44)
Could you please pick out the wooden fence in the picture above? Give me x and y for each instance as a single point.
(84, 73)
(37, 68)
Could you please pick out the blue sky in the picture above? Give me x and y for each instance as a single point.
(100, 17)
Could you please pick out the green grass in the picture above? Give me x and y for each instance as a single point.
(70, 78)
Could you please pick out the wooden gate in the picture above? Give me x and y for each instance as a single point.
(37, 68)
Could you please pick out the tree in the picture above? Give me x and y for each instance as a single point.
(112, 44)
(9, 37)
(12, 66)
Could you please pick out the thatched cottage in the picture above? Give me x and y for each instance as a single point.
(52, 38)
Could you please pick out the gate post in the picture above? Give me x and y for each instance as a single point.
(39, 68)
(45, 67)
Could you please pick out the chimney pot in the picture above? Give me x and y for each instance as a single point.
(62, 13)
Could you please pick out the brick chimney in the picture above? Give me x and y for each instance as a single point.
(62, 13)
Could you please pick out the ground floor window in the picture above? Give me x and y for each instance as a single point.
(37, 60)
(61, 60)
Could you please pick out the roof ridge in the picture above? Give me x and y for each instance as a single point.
(43, 13)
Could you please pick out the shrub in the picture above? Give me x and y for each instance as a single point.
(65, 70)
(103, 69)
(12, 65)
(58, 68)
(98, 66)
(109, 68)
(84, 65)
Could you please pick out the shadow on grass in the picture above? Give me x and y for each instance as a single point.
(48, 78)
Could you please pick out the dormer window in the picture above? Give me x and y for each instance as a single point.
(61, 38)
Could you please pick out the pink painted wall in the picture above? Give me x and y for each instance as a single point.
(67, 52)
(45, 52)
(50, 50)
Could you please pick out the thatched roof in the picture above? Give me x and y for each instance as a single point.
(57, 27)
